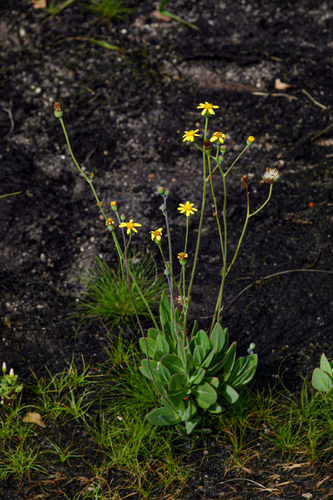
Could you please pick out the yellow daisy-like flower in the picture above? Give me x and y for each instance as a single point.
(189, 135)
(130, 226)
(156, 235)
(218, 136)
(187, 208)
(182, 256)
(207, 108)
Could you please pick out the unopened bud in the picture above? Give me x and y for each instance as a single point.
(160, 190)
(4, 368)
(166, 192)
(11, 374)
(223, 150)
(58, 112)
(163, 207)
(250, 140)
(114, 206)
(166, 272)
(123, 217)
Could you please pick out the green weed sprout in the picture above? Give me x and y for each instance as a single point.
(173, 16)
(9, 386)
(322, 378)
(196, 374)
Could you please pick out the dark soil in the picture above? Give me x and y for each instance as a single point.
(125, 113)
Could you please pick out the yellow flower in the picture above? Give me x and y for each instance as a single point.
(130, 226)
(207, 108)
(182, 256)
(189, 135)
(251, 139)
(187, 208)
(109, 222)
(218, 136)
(156, 235)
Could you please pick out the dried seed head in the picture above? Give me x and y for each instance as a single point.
(58, 112)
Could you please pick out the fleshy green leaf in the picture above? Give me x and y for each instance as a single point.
(213, 381)
(163, 416)
(208, 359)
(325, 365)
(191, 424)
(161, 344)
(176, 383)
(245, 378)
(145, 370)
(215, 408)
(197, 376)
(151, 346)
(202, 340)
(153, 333)
(195, 329)
(157, 355)
(164, 373)
(218, 339)
(165, 312)
(229, 393)
(173, 364)
(198, 355)
(321, 381)
(205, 395)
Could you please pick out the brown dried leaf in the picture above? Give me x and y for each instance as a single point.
(281, 86)
(39, 4)
(161, 17)
(34, 418)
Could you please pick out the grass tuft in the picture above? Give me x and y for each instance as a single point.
(107, 297)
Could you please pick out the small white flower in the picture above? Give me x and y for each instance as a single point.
(270, 176)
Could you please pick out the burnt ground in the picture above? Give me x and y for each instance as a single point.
(125, 114)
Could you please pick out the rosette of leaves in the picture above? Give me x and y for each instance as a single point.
(322, 378)
(202, 373)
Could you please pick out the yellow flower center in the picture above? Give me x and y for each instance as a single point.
(130, 225)
(187, 206)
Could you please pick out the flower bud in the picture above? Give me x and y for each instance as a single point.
(11, 374)
(4, 368)
(166, 272)
(114, 206)
(163, 207)
(166, 192)
(252, 346)
(250, 140)
(100, 204)
(160, 190)
(223, 150)
(58, 112)
(123, 217)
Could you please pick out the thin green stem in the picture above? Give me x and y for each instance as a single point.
(248, 215)
(215, 205)
(241, 154)
(224, 273)
(204, 193)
